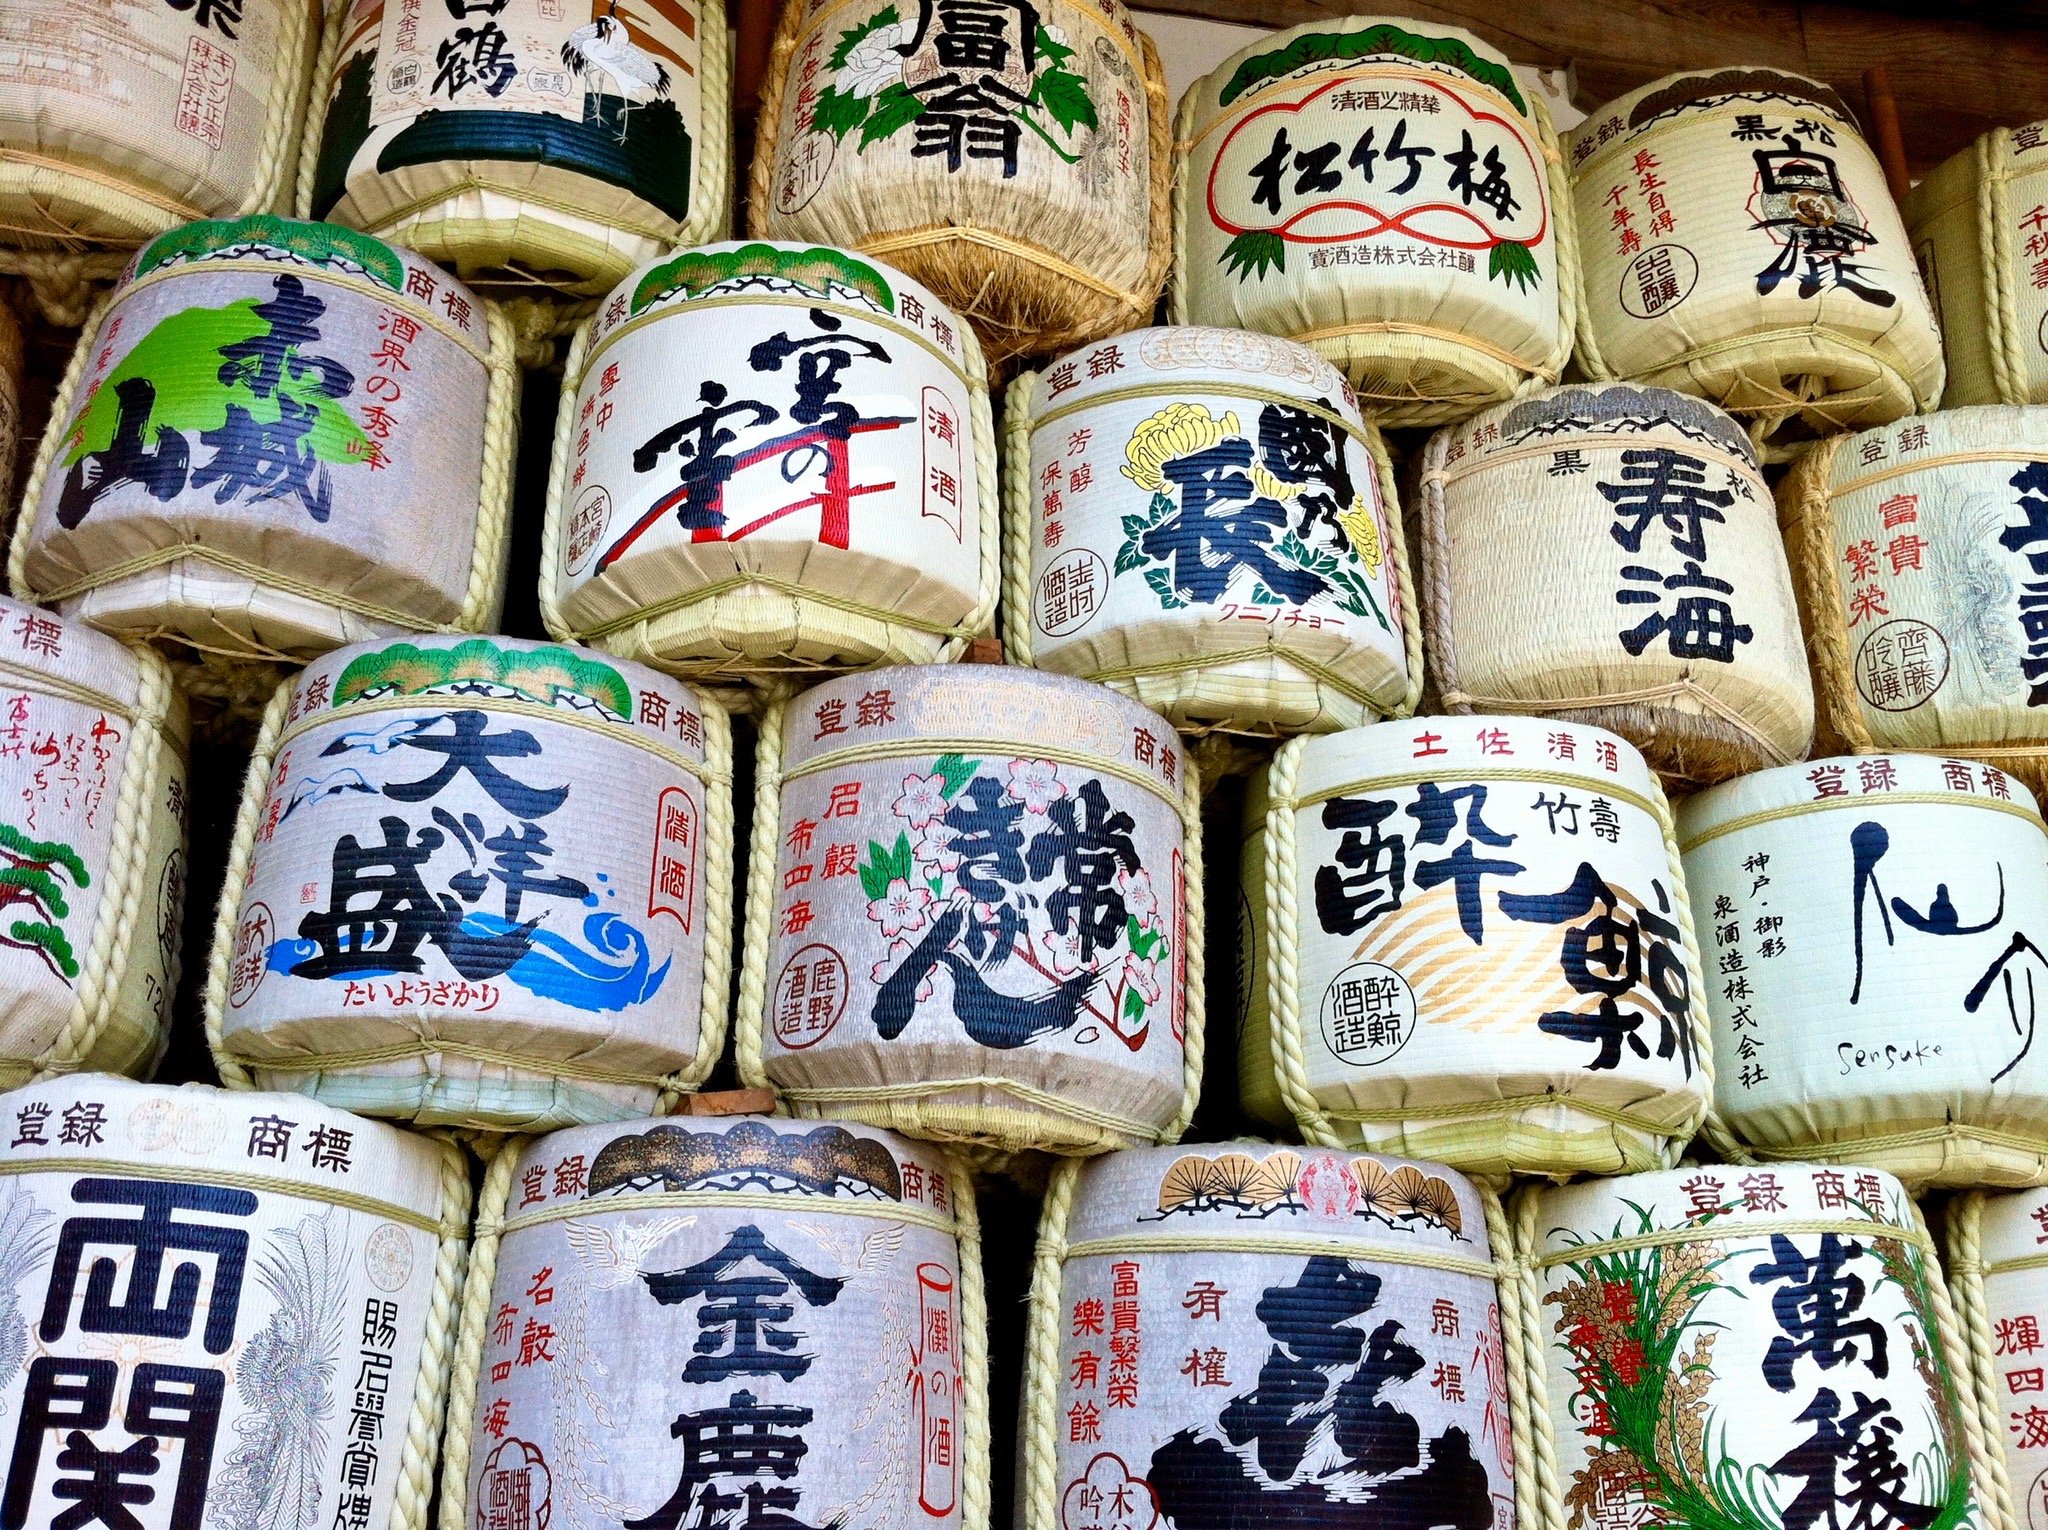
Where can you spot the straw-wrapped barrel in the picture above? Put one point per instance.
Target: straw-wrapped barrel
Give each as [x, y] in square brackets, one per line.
[1013, 861]
[771, 459]
[1980, 232]
[1390, 193]
[1773, 1348]
[527, 145]
[1247, 1334]
[1470, 943]
[92, 768]
[479, 882]
[1998, 1275]
[1869, 929]
[1610, 555]
[670, 1325]
[1738, 241]
[278, 438]
[1200, 518]
[1012, 157]
[1920, 552]
[223, 1309]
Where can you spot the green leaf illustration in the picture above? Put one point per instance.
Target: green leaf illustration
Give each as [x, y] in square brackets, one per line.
[1261, 596]
[838, 114]
[1162, 586]
[1512, 263]
[854, 36]
[874, 872]
[1064, 94]
[1253, 253]
[895, 108]
[1322, 47]
[1134, 1004]
[1129, 556]
[958, 771]
[1059, 53]
[1135, 525]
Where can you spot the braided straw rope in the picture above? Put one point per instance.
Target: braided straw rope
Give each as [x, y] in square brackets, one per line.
[1966, 1274]
[1983, 1447]
[713, 1003]
[416, 1477]
[1539, 1500]
[1038, 1437]
[48, 448]
[2005, 340]
[466, 1360]
[1016, 496]
[1283, 952]
[220, 957]
[1194, 992]
[750, 1013]
[1517, 1323]
[319, 99]
[975, 1505]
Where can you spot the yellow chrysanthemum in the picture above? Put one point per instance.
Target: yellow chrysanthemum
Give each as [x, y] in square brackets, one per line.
[1178, 430]
[1363, 532]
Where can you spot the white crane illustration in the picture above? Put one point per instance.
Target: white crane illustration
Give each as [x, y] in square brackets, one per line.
[605, 47]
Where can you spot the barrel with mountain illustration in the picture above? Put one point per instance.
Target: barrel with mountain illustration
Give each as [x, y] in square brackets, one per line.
[527, 145]
[1470, 942]
[222, 1310]
[1739, 242]
[1200, 518]
[279, 438]
[479, 882]
[729, 1322]
[772, 459]
[1609, 554]
[92, 848]
[1012, 157]
[974, 910]
[1871, 931]
[1247, 1334]
[1388, 193]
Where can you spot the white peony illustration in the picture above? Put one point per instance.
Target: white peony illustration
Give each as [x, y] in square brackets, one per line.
[876, 61]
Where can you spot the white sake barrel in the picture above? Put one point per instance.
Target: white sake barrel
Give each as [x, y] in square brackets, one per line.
[93, 738]
[1473, 943]
[772, 458]
[1245, 1334]
[1998, 1276]
[1389, 193]
[1868, 929]
[1980, 233]
[973, 910]
[1738, 241]
[279, 438]
[119, 122]
[1920, 551]
[1770, 1347]
[223, 1310]
[526, 144]
[479, 882]
[1610, 555]
[1207, 525]
[1012, 157]
[669, 1325]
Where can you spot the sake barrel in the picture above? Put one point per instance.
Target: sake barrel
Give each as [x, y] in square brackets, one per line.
[1995, 1273]
[222, 1309]
[529, 144]
[675, 1323]
[1772, 1347]
[120, 122]
[1874, 925]
[1460, 957]
[92, 768]
[803, 477]
[1739, 242]
[1977, 222]
[1247, 1334]
[1206, 524]
[279, 438]
[1318, 156]
[1610, 554]
[1920, 551]
[1014, 860]
[1012, 157]
[479, 882]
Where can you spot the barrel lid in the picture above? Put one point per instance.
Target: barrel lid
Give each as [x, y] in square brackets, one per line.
[1737, 1203]
[1918, 782]
[1190, 357]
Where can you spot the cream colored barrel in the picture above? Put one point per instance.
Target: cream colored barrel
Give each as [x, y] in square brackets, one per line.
[1013, 158]
[121, 122]
[93, 739]
[1474, 944]
[1739, 242]
[225, 1309]
[1978, 233]
[666, 1324]
[1920, 551]
[1208, 1329]
[1679, 1373]
[1868, 928]
[479, 882]
[278, 438]
[530, 146]
[1992, 1250]
[974, 911]
[772, 460]
[1200, 518]
[1388, 193]
[1609, 555]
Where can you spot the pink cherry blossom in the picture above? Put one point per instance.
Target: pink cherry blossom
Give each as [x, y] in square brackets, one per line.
[1036, 784]
[902, 908]
[1139, 898]
[923, 799]
[1143, 973]
[935, 848]
[898, 949]
[1065, 950]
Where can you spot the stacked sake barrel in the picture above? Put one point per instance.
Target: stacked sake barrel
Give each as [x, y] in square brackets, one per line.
[1995, 1268]
[530, 146]
[1200, 518]
[479, 882]
[1388, 193]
